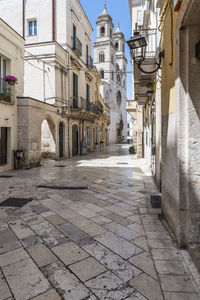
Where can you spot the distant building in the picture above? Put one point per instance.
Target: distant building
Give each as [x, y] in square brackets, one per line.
[111, 62]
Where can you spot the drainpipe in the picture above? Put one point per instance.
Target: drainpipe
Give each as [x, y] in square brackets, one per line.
[53, 20]
[23, 18]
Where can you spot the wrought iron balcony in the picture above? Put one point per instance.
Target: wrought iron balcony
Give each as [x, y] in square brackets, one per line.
[100, 108]
[7, 91]
[76, 45]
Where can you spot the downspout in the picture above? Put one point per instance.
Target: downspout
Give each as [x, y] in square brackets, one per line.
[23, 18]
[53, 20]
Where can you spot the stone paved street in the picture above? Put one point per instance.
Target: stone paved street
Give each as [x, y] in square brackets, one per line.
[102, 241]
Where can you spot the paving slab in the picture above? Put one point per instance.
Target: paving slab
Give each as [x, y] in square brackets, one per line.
[113, 262]
[147, 286]
[87, 269]
[25, 279]
[66, 283]
[42, 255]
[75, 234]
[109, 286]
[50, 295]
[4, 290]
[171, 283]
[118, 245]
[13, 257]
[145, 263]
[122, 231]
[69, 253]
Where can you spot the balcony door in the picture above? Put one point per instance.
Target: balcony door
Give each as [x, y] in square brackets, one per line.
[3, 72]
[75, 90]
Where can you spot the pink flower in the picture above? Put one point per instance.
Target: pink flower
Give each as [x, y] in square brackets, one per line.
[9, 78]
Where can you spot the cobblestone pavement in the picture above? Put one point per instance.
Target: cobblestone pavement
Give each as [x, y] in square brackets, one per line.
[99, 242]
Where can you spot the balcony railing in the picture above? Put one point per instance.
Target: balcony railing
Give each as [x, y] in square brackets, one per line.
[89, 61]
[76, 45]
[7, 91]
[100, 107]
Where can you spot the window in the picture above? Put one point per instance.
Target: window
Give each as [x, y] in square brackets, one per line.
[74, 37]
[128, 125]
[128, 133]
[117, 67]
[75, 90]
[140, 17]
[110, 32]
[101, 57]
[112, 59]
[3, 71]
[118, 78]
[102, 31]
[87, 55]
[32, 26]
[112, 75]
[119, 98]
[123, 48]
[87, 93]
[102, 74]
[117, 45]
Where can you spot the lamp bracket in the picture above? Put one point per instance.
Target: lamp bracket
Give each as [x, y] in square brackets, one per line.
[158, 64]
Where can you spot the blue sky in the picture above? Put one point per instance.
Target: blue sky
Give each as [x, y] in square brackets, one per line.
[119, 11]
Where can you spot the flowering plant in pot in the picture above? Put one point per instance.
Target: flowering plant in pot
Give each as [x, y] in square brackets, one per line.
[10, 79]
[132, 150]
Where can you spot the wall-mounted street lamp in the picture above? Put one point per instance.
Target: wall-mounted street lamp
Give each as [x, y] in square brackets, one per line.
[137, 45]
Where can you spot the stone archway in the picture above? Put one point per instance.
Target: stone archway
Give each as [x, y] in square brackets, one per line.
[48, 138]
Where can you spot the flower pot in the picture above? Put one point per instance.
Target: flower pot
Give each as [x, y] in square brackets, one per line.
[132, 151]
[11, 82]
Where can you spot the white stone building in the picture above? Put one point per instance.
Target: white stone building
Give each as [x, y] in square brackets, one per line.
[111, 62]
[58, 72]
[11, 63]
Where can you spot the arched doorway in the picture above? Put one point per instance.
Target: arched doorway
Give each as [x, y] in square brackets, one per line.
[75, 140]
[48, 140]
[61, 140]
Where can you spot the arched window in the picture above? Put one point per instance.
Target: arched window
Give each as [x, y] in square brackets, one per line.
[118, 78]
[119, 98]
[117, 45]
[101, 56]
[102, 31]
[102, 74]
[117, 67]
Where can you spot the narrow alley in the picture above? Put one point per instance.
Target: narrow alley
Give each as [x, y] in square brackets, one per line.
[86, 230]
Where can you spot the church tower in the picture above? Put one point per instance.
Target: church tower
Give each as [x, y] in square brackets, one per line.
[110, 61]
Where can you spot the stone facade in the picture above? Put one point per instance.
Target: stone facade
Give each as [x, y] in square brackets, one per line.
[58, 57]
[181, 127]
[111, 62]
[12, 63]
